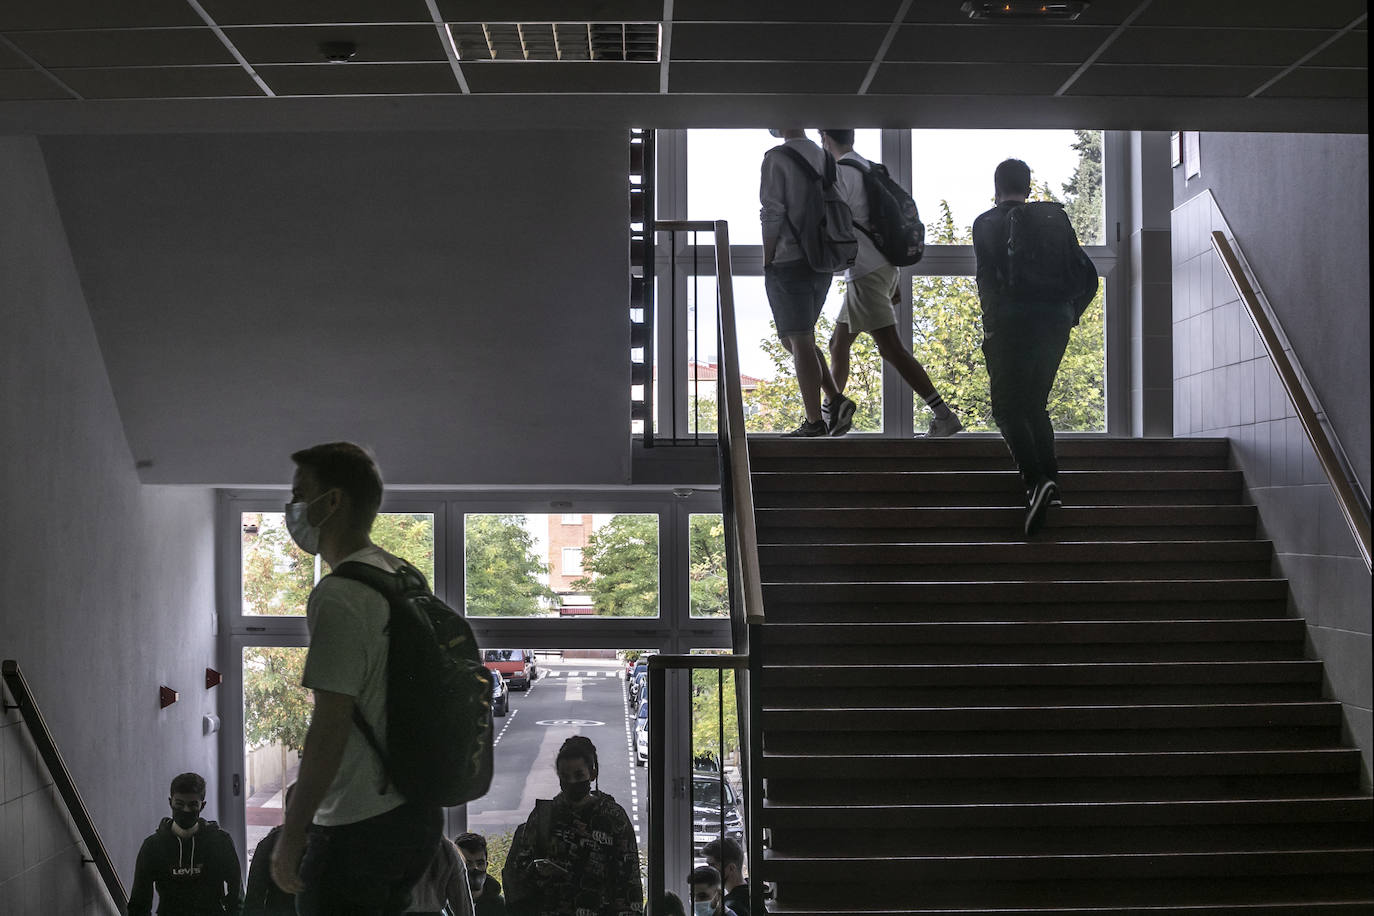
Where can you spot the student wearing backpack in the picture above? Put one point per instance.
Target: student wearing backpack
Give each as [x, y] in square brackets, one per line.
[351, 843]
[1034, 281]
[189, 861]
[807, 236]
[871, 284]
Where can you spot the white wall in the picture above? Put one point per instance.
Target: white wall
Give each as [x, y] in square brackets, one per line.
[457, 300]
[106, 585]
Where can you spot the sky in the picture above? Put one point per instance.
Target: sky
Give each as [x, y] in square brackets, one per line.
[952, 165]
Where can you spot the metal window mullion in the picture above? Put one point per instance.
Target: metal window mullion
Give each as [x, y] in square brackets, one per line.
[1116, 305]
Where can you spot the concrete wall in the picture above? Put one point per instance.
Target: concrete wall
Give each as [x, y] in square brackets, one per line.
[1298, 208]
[456, 300]
[106, 585]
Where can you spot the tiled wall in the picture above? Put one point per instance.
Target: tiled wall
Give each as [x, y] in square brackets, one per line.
[1225, 385]
[40, 857]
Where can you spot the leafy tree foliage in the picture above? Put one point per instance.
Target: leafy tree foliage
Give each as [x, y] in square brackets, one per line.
[621, 565]
[503, 568]
[276, 707]
[708, 724]
[710, 591]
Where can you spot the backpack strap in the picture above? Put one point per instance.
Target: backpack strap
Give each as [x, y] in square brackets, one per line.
[827, 181]
[391, 586]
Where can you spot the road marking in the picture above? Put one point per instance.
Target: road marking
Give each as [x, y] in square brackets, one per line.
[570, 723]
[509, 717]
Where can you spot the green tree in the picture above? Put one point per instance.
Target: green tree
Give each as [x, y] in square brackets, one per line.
[276, 708]
[620, 563]
[709, 588]
[708, 724]
[1083, 192]
[409, 536]
[277, 575]
[503, 569]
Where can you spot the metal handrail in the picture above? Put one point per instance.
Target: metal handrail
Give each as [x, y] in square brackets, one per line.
[1354, 510]
[62, 778]
[730, 430]
[659, 665]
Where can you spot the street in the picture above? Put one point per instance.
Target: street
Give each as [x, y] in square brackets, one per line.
[572, 697]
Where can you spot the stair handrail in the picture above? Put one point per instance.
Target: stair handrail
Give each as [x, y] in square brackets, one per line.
[731, 435]
[62, 778]
[1354, 508]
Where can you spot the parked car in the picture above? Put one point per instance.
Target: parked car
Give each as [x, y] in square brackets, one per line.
[500, 695]
[642, 735]
[641, 670]
[515, 665]
[706, 811]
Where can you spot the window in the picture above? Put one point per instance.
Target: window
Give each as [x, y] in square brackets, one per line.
[510, 573]
[276, 715]
[277, 576]
[709, 587]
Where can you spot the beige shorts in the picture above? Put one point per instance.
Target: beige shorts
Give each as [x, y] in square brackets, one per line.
[868, 300]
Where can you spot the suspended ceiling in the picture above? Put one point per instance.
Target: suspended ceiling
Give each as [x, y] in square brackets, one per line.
[160, 64]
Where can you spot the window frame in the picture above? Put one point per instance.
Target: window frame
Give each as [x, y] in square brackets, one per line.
[940, 260]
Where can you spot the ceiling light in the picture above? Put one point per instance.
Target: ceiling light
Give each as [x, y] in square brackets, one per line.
[557, 41]
[1023, 9]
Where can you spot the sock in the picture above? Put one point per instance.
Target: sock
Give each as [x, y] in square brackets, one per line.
[937, 404]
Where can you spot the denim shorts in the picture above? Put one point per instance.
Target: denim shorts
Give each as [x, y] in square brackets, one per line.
[796, 294]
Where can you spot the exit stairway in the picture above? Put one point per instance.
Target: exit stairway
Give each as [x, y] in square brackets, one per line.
[1114, 717]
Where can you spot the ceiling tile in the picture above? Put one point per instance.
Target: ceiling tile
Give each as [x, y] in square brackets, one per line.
[1266, 14]
[376, 44]
[23, 85]
[850, 12]
[160, 82]
[972, 43]
[551, 11]
[728, 77]
[970, 79]
[1099, 12]
[760, 42]
[1350, 50]
[314, 12]
[11, 60]
[360, 79]
[94, 14]
[1185, 82]
[1242, 47]
[125, 48]
[1321, 83]
[561, 76]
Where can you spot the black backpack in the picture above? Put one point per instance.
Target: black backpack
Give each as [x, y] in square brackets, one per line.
[438, 694]
[826, 236]
[894, 225]
[1044, 259]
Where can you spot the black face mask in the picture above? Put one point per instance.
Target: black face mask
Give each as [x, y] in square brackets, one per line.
[185, 819]
[576, 791]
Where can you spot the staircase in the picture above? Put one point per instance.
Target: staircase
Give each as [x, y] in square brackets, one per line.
[1116, 717]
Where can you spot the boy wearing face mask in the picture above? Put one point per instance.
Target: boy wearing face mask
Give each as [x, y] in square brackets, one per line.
[707, 897]
[576, 855]
[486, 890]
[190, 861]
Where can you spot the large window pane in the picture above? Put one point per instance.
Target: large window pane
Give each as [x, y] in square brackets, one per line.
[709, 585]
[772, 401]
[723, 175]
[276, 715]
[277, 576]
[952, 176]
[574, 692]
[541, 565]
[715, 758]
[947, 336]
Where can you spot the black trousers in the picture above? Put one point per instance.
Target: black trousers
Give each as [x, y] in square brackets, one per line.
[1023, 349]
[368, 868]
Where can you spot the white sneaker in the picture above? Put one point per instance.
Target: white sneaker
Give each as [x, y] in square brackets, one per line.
[940, 429]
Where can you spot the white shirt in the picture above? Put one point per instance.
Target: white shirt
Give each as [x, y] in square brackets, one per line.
[348, 650]
[851, 187]
[782, 190]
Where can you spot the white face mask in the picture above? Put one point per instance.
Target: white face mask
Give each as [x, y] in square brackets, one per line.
[306, 535]
[703, 908]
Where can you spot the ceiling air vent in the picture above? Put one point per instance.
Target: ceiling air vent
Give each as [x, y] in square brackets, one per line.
[1023, 9]
[561, 41]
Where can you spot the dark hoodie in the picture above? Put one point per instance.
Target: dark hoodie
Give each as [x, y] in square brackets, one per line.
[198, 875]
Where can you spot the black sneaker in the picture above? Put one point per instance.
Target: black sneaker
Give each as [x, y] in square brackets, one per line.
[1040, 500]
[841, 415]
[807, 431]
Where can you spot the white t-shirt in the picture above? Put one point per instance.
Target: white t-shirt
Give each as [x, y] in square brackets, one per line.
[348, 649]
[851, 185]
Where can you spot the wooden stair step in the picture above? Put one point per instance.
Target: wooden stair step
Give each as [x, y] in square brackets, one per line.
[1059, 592]
[1040, 633]
[1011, 718]
[1059, 766]
[1085, 674]
[1069, 449]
